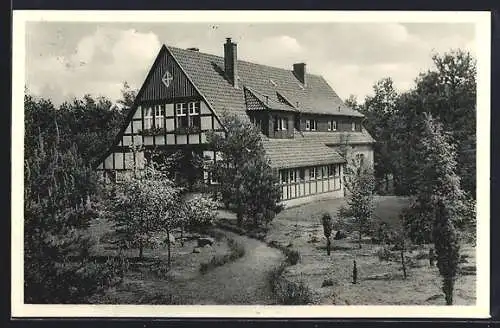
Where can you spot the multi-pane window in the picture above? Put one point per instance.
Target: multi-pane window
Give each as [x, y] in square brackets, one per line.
[181, 113]
[148, 118]
[332, 125]
[159, 116]
[194, 114]
[280, 124]
[292, 175]
[284, 176]
[312, 173]
[313, 125]
[353, 126]
[331, 170]
[302, 174]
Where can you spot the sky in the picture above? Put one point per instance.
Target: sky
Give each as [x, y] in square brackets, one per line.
[66, 60]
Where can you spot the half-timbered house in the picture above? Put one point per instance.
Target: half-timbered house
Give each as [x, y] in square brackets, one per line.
[307, 131]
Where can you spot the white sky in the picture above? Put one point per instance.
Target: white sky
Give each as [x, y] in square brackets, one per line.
[64, 60]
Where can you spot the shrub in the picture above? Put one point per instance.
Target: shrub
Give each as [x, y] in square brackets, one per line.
[327, 282]
[292, 256]
[287, 292]
[200, 212]
[236, 251]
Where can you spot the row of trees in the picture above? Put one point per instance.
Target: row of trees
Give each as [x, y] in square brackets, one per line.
[448, 93]
[426, 143]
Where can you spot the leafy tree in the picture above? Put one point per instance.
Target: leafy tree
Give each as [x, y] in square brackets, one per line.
[144, 209]
[379, 111]
[247, 182]
[360, 184]
[60, 201]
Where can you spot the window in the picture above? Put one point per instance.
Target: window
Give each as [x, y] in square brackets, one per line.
[159, 118]
[280, 124]
[181, 112]
[292, 175]
[332, 125]
[360, 159]
[353, 126]
[194, 114]
[148, 118]
[284, 176]
[331, 170]
[313, 125]
[312, 173]
[308, 125]
[302, 174]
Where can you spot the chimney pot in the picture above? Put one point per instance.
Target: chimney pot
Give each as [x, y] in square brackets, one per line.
[299, 70]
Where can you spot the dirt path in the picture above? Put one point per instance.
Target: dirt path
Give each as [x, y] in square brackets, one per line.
[244, 281]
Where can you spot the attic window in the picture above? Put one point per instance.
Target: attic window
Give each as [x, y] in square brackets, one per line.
[273, 83]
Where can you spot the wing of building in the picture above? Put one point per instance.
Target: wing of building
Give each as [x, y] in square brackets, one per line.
[307, 131]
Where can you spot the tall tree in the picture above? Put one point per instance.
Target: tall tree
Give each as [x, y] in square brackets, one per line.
[360, 184]
[246, 180]
[379, 111]
[60, 200]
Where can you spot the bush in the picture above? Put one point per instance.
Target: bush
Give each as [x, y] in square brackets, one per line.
[236, 251]
[200, 212]
[385, 254]
[327, 282]
[292, 256]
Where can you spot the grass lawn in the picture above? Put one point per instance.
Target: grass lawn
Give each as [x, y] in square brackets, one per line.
[148, 281]
[380, 282]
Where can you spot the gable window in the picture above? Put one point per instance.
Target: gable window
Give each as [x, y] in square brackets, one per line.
[194, 114]
[313, 125]
[181, 113]
[148, 118]
[159, 116]
[353, 126]
[332, 125]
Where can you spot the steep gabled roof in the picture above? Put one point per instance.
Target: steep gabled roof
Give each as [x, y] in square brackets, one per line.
[207, 73]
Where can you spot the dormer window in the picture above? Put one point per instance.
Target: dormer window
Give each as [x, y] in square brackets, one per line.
[280, 124]
[332, 125]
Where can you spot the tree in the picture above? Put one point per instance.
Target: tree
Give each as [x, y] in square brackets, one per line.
[447, 249]
[379, 110]
[326, 221]
[360, 184]
[128, 96]
[60, 200]
[144, 211]
[437, 179]
[440, 203]
[247, 182]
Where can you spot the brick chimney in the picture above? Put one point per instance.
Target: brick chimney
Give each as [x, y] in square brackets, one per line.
[230, 62]
[299, 70]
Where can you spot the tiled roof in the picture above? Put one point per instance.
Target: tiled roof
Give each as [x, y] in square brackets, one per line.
[207, 73]
[266, 102]
[336, 138]
[287, 153]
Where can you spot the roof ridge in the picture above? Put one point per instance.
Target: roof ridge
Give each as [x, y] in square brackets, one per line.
[240, 60]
